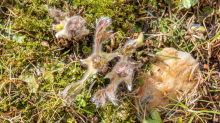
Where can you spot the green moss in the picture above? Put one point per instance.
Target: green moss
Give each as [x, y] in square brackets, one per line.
[33, 18]
[118, 11]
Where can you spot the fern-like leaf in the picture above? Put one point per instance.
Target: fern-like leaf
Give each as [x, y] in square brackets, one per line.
[122, 72]
[99, 98]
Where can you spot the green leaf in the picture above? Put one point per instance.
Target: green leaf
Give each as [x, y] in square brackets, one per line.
[2, 86]
[169, 2]
[150, 121]
[87, 50]
[48, 76]
[66, 52]
[82, 103]
[18, 38]
[191, 119]
[193, 28]
[157, 49]
[193, 2]
[201, 28]
[155, 115]
[137, 28]
[141, 81]
[58, 68]
[208, 10]
[162, 26]
[186, 3]
[90, 108]
[31, 81]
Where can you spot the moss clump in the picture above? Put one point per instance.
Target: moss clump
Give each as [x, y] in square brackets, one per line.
[33, 18]
[118, 11]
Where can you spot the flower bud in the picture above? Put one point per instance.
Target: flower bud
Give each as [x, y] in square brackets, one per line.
[98, 62]
[123, 70]
[58, 15]
[74, 26]
[140, 40]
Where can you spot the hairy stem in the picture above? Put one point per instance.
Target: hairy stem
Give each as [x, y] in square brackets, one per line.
[78, 85]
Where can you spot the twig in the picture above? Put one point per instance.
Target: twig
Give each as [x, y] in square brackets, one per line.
[147, 17]
[38, 71]
[209, 56]
[169, 11]
[1, 8]
[205, 24]
[189, 23]
[193, 71]
[130, 28]
[198, 13]
[78, 115]
[90, 88]
[69, 113]
[12, 12]
[197, 49]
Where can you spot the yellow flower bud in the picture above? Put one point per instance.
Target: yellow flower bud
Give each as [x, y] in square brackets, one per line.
[140, 40]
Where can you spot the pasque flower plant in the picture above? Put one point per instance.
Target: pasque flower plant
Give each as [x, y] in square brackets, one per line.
[123, 71]
[97, 61]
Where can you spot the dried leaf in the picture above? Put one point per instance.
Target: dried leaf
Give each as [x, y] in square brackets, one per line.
[46, 44]
[113, 42]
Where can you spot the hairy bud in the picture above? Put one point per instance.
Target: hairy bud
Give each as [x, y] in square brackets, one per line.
[75, 26]
[58, 15]
[122, 69]
[68, 27]
[98, 62]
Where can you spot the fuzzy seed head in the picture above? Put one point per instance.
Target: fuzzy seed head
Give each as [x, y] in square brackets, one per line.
[75, 26]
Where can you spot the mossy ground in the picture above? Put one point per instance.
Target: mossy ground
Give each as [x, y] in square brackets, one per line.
[33, 69]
